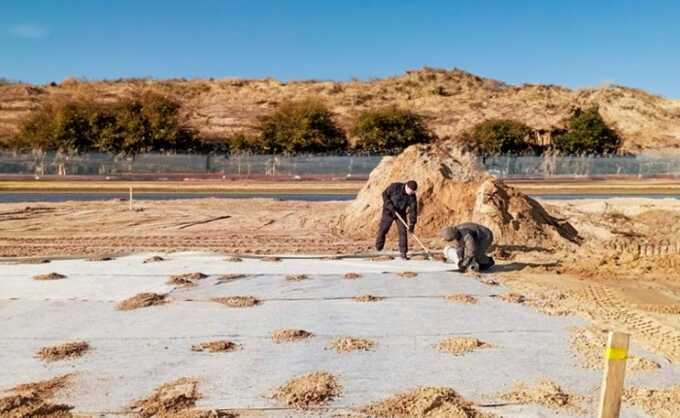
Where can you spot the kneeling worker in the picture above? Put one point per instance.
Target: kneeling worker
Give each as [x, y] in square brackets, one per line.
[470, 242]
[398, 200]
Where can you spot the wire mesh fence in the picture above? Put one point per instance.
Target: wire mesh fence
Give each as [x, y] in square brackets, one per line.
[301, 166]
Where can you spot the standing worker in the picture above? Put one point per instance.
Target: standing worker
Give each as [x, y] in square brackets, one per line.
[470, 242]
[399, 199]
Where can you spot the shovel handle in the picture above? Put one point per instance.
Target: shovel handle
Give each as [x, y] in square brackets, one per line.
[414, 235]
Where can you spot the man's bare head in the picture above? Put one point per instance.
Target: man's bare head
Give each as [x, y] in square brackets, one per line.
[411, 187]
[450, 233]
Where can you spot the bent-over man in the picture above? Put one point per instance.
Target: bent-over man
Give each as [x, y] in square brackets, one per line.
[398, 199]
[471, 242]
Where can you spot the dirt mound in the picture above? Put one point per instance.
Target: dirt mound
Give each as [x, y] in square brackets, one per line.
[460, 345]
[431, 402]
[290, 335]
[238, 301]
[312, 389]
[217, 346]
[229, 277]
[347, 344]
[154, 259]
[512, 297]
[407, 274]
[351, 276]
[545, 393]
[33, 400]
[63, 351]
[186, 279]
[296, 277]
[589, 345]
[659, 403]
[367, 298]
[49, 276]
[141, 300]
[462, 298]
[452, 190]
[175, 397]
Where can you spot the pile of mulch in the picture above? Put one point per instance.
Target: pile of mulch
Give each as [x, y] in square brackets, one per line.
[271, 259]
[233, 259]
[489, 282]
[460, 345]
[544, 393]
[229, 277]
[63, 351]
[49, 276]
[435, 402]
[176, 397]
[141, 300]
[512, 297]
[348, 344]
[589, 344]
[34, 399]
[296, 277]
[382, 258]
[661, 403]
[290, 335]
[310, 390]
[367, 298]
[154, 259]
[352, 276]
[238, 301]
[186, 279]
[462, 298]
[407, 274]
[36, 261]
[217, 346]
[100, 258]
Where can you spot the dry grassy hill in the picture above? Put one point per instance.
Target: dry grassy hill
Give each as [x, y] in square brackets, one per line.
[454, 100]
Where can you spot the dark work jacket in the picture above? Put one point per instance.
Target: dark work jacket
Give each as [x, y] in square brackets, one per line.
[475, 241]
[395, 199]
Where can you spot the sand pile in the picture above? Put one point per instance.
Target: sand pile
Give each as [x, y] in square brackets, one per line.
[141, 300]
[462, 298]
[218, 346]
[290, 335]
[431, 402]
[367, 298]
[229, 277]
[296, 277]
[238, 301]
[351, 276]
[545, 393]
[312, 389]
[348, 344]
[452, 190]
[49, 276]
[186, 279]
[460, 345]
[589, 345]
[407, 274]
[63, 351]
[33, 400]
[175, 397]
[154, 259]
[659, 403]
[512, 297]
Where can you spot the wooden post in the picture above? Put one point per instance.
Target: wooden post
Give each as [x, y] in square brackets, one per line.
[614, 371]
[130, 197]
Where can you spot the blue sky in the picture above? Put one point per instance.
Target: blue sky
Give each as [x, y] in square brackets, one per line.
[573, 43]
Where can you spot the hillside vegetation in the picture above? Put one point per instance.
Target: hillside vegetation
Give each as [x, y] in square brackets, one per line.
[452, 102]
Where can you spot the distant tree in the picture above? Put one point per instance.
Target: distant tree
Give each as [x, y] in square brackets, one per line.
[587, 133]
[301, 126]
[242, 143]
[499, 136]
[389, 130]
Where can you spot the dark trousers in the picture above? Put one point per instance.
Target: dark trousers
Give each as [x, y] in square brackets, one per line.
[385, 223]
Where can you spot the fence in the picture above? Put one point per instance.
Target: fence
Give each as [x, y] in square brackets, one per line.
[346, 166]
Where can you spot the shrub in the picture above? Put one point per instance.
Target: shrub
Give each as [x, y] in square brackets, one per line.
[302, 126]
[242, 143]
[144, 122]
[587, 133]
[389, 129]
[499, 136]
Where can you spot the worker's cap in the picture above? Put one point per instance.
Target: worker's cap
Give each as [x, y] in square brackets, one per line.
[412, 185]
[450, 233]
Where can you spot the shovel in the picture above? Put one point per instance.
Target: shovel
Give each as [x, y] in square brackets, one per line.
[429, 255]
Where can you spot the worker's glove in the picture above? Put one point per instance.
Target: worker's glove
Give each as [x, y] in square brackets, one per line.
[411, 228]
